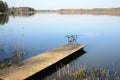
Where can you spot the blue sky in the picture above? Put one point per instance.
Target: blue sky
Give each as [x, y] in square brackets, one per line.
[60, 4]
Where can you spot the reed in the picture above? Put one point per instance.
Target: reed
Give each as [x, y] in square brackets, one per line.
[14, 60]
[84, 73]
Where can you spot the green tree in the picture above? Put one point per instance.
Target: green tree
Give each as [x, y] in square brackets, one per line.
[3, 7]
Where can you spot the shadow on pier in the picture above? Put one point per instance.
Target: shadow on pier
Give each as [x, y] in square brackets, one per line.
[53, 68]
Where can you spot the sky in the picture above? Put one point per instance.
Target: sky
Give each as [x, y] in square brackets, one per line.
[63, 4]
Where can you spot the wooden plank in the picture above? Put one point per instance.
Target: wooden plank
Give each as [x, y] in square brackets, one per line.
[39, 62]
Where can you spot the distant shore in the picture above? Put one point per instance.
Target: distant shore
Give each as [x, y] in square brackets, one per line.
[96, 11]
[5, 9]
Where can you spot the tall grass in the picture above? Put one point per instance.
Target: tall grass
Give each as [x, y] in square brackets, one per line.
[15, 59]
[84, 73]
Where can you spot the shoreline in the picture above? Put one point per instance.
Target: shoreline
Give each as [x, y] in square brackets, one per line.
[95, 11]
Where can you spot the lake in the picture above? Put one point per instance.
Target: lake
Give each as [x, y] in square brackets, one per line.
[41, 32]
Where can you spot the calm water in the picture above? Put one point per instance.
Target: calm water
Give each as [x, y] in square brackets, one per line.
[42, 32]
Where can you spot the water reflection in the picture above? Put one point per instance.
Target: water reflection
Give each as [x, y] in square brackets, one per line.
[23, 14]
[10, 43]
[4, 19]
[96, 14]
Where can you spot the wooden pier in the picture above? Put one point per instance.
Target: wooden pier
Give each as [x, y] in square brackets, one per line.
[39, 62]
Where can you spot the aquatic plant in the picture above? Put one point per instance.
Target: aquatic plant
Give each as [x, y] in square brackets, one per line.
[91, 74]
[17, 56]
[84, 73]
[15, 59]
[2, 65]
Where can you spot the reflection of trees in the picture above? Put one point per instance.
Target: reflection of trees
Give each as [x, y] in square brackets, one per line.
[23, 14]
[4, 18]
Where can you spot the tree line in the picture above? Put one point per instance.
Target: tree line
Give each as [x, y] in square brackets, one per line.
[27, 10]
[14, 10]
[96, 11]
[3, 7]
[21, 10]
